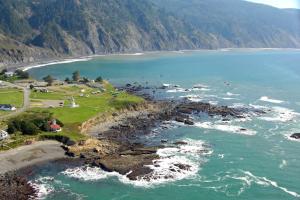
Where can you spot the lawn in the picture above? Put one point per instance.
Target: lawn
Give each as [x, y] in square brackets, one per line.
[90, 105]
[11, 96]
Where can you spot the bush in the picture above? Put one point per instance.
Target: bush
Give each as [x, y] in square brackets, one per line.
[99, 79]
[29, 128]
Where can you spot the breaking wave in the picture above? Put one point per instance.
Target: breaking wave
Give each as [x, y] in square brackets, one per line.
[267, 99]
[175, 163]
[225, 128]
[42, 186]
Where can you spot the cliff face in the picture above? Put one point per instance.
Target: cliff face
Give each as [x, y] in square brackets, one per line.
[33, 30]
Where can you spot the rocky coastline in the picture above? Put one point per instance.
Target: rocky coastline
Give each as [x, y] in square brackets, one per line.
[116, 147]
[114, 144]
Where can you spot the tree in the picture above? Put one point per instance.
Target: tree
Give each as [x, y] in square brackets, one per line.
[99, 79]
[85, 80]
[67, 80]
[29, 128]
[22, 74]
[49, 79]
[76, 76]
[3, 71]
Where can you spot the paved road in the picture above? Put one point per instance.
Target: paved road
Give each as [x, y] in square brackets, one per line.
[26, 101]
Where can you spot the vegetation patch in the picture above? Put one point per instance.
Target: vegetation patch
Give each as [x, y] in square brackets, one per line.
[11, 96]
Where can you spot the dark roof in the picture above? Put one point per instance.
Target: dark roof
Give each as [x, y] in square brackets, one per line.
[5, 106]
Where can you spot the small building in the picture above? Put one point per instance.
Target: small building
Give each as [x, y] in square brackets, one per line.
[73, 104]
[7, 107]
[54, 127]
[9, 74]
[3, 135]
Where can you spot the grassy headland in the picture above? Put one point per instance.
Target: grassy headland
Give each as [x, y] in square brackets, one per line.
[91, 101]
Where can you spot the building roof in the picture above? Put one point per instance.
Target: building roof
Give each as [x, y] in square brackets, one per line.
[55, 126]
[6, 106]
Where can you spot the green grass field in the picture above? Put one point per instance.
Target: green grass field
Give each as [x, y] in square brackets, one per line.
[94, 104]
[90, 105]
[11, 96]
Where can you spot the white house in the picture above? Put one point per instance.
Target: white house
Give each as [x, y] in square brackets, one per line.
[3, 135]
[7, 107]
[9, 74]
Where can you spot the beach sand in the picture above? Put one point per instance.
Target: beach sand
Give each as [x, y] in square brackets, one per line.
[25, 156]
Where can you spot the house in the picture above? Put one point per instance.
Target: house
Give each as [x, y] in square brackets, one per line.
[7, 107]
[9, 74]
[3, 135]
[54, 127]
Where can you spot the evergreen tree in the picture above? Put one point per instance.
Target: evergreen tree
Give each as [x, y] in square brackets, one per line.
[76, 76]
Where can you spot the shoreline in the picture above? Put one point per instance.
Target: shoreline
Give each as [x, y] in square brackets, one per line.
[25, 156]
[65, 60]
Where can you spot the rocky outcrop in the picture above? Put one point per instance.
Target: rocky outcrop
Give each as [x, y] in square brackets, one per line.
[15, 187]
[296, 136]
[199, 107]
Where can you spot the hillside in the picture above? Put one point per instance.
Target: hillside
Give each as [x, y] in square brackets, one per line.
[33, 30]
[239, 23]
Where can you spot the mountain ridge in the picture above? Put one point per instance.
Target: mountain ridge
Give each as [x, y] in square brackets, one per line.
[34, 30]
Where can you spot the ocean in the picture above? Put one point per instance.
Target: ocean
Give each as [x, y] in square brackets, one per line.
[260, 162]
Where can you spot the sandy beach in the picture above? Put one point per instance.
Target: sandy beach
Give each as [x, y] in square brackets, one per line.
[24, 156]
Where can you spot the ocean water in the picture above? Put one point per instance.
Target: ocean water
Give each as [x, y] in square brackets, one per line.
[260, 162]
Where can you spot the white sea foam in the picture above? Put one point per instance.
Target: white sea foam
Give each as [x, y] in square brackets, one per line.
[283, 164]
[213, 102]
[288, 136]
[200, 89]
[86, 173]
[225, 128]
[43, 186]
[178, 90]
[232, 94]
[175, 163]
[229, 98]
[57, 62]
[280, 114]
[193, 97]
[267, 99]
[200, 86]
[244, 180]
[266, 182]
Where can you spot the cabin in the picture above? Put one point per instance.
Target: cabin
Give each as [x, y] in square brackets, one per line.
[7, 107]
[3, 135]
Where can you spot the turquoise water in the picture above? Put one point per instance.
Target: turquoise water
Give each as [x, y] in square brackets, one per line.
[260, 163]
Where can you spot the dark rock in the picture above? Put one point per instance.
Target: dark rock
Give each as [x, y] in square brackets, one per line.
[14, 187]
[189, 122]
[180, 143]
[295, 136]
[70, 154]
[164, 141]
[179, 119]
[183, 167]
[226, 120]
[70, 142]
